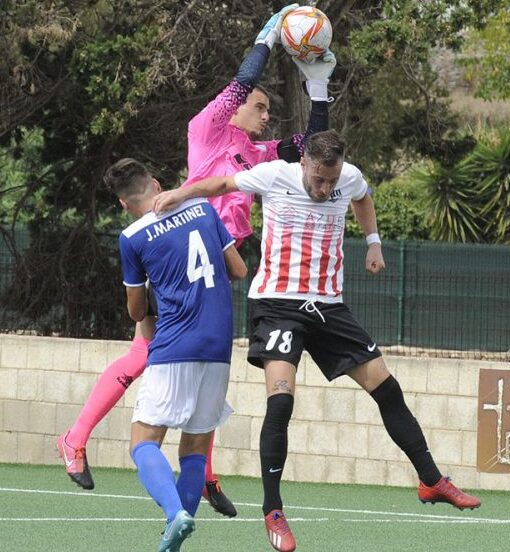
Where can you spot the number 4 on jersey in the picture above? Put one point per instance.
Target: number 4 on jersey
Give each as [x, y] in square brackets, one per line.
[198, 252]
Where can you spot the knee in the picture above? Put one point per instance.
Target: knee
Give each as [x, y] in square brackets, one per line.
[194, 444]
[388, 392]
[141, 447]
[279, 409]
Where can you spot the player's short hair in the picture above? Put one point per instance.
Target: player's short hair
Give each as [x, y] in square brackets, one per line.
[326, 147]
[128, 177]
[260, 88]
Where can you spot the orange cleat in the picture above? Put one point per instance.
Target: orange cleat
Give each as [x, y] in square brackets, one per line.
[279, 533]
[445, 491]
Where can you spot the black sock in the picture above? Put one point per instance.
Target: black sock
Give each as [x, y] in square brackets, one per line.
[273, 448]
[404, 429]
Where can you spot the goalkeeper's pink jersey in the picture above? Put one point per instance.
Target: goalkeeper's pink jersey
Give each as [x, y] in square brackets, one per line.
[217, 148]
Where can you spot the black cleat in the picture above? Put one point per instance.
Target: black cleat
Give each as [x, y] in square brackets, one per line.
[217, 499]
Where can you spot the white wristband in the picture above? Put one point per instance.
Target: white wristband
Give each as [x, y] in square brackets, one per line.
[317, 90]
[373, 238]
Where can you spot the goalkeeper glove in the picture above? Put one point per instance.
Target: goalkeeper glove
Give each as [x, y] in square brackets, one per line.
[270, 33]
[317, 74]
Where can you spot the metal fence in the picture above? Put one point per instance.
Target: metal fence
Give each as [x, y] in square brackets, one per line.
[433, 296]
[437, 299]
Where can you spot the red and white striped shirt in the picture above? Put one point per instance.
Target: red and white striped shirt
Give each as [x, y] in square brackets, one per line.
[302, 256]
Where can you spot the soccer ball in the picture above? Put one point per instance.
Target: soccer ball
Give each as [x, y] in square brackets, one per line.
[306, 33]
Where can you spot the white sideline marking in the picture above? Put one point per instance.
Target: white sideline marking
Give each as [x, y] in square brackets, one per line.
[454, 520]
[159, 520]
[422, 517]
[259, 520]
[74, 493]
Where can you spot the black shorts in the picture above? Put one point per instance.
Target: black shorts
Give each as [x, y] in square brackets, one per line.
[153, 304]
[282, 328]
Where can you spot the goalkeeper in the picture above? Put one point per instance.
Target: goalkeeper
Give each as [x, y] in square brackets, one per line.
[223, 139]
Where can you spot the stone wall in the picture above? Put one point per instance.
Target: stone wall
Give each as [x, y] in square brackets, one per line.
[336, 434]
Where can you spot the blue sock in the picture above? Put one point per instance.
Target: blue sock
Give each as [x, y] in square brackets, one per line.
[191, 481]
[156, 475]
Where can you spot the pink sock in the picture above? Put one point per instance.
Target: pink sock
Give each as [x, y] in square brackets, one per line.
[209, 475]
[108, 390]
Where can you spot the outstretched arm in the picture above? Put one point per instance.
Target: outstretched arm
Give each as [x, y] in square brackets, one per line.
[315, 80]
[209, 187]
[251, 68]
[365, 214]
[218, 113]
[292, 149]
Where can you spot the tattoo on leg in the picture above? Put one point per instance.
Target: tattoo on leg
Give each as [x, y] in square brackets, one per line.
[282, 386]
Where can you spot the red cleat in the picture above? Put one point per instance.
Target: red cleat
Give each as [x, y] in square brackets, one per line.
[279, 533]
[445, 491]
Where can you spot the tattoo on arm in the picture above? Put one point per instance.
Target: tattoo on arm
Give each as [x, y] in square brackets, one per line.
[282, 386]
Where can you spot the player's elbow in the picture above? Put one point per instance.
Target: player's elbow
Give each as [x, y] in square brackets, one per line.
[238, 272]
[136, 316]
[137, 312]
[236, 267]
[223, 185]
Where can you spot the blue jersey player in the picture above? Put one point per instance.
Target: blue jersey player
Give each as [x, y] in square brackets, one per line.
[188, 256]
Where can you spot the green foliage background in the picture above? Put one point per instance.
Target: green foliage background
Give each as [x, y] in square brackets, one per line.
[85, 83]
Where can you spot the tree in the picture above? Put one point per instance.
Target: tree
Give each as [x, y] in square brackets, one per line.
[470, 201]
[490, 167]
[401, 212]
[486, 56]
[100, 80]
[103, 79]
